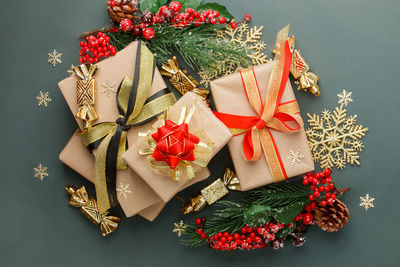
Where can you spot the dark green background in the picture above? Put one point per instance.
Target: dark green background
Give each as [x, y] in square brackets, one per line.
[351, 45]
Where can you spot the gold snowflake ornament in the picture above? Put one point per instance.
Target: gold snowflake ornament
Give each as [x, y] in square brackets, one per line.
[40, 172]
[179, 228]
[123, 190]
[109, 88]
[345, 98]
[367, 202]
[247, 37]
[54, 58]
[334, 137]
[295, 157]
[43, 99]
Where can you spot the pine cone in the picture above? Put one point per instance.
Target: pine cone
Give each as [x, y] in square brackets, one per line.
[331, 218]
[123, 9]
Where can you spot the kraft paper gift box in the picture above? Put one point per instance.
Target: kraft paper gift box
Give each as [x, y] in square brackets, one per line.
[230, 97]
[203, 121]
[141, 198]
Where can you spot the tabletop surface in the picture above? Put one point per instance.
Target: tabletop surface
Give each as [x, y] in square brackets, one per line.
[351, 45]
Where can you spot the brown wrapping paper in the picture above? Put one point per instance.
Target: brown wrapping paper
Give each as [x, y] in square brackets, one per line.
[142, 198]
[230, 97]
[217, 132]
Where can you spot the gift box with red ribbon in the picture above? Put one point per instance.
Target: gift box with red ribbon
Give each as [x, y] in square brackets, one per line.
[259, 107]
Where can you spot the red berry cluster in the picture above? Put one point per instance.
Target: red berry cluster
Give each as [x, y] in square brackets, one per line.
[96, 47]
[248, 237]
[322, 186]
[171, 14]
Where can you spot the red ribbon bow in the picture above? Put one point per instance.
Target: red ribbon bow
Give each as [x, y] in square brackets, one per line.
[174, 143]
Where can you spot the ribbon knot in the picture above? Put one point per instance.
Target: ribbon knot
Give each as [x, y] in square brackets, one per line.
[260, 124]
[121, 121]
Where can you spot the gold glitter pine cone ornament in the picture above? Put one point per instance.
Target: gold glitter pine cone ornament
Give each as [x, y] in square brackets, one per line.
[332, 217]
[122, 9]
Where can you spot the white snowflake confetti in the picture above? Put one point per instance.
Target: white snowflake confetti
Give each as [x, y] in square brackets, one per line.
[40, 172]
[345, 98]
[295, 157]
[179, 228]
[123, 190]
[54, 58]
[334, 137]
[367, 202]
[43, 99]
[109, 88]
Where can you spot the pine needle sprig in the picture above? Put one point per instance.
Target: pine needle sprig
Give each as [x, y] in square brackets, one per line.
[198, 46]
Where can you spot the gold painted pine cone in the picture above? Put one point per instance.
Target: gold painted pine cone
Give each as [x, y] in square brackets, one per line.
[332, 217]
[123, 9]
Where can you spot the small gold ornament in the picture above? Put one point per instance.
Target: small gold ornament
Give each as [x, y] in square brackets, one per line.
[334, 138]
[367, 202]
[43, 99]
[86, 95]
[181, 80]
[54, 58]
[247, 37]
[305, 80]
[88, 207]
[213, 192]
[179, 228]
[40, 172]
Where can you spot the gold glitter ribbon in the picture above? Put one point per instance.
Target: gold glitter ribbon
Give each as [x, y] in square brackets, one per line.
[213, 192]
[88, 207]
[135, 108]
[86, 94]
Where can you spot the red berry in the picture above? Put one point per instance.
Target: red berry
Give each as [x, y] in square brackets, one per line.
[213, 21]
[328, 195]
[196, 14]
[238, 242]
[175, 6]
[249, 239]
[215, 14]
[329, 201]
[138, 32]
[247, 17]
[327, 172]
[219, 234]
[234, 25]
[259, 230]
[198, 221]
[316, 193]
[243, 230]
[198, 231]
[226, 234]
[113, 3]
[308, 218]
[242, 237]
[222, 20]
[236, 236]
[220, 244]
[229, 238]
[189, 10]
[215, 246]
[233, 245]
[313, 205]
[227, 246]
[162, 10]
[252, 235]
[323, 203]
[271, 237]
[215, 237]
[148, 33]
[298, 217]
[311, 197]
[333, 196]
[223, 239]
[203, 235]
[126, 25]
[82, 60]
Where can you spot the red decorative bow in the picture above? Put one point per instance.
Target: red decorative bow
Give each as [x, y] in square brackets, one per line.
[174, 143]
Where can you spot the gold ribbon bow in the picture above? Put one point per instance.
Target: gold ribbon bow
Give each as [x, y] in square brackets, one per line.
[88, 207]
[135, 108]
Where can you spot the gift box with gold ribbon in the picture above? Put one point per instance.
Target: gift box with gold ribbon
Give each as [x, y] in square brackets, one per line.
[176, 149]
[259, 107]
[139, 97]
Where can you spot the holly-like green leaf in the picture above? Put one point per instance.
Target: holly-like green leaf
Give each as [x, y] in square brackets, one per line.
[189, 3]
[257, 215]
[151, 5]
[287, 214]
[216, 7]
[285, 231]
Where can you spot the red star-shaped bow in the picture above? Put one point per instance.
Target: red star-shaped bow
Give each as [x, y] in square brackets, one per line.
[174, 143]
